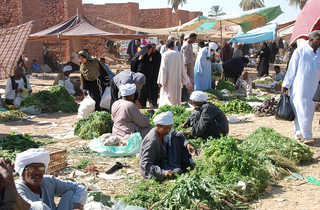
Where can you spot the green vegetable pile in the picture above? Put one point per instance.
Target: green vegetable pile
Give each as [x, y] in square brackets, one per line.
[15, 143]
[227, 175]
[235, 107]
[222, 84]
[12, 115]
[278, 152]
[51, 101]
[94, 125]
[264, 81]
[180, 114]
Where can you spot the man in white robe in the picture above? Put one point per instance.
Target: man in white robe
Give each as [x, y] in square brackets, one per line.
[172, 76]
[202, 69]
[301, 80]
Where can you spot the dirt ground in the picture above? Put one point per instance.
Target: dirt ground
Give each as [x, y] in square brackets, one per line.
[285, 195]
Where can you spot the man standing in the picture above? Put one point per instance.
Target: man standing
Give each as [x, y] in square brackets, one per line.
[302, 80]
[164, 49]
[171, 76]
[133, 48]
[179, 43]
[187, 51]
[264, 59]
[202, 70]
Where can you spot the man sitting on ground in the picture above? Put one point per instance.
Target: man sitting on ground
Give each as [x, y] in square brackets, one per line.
[127, 119]
[18, 87]
[279, 74]
[164, 152]
[67, 81]
[207, 119]
[34, 185]
[244, 85]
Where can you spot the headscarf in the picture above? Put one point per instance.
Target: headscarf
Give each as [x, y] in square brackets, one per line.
[30, 156]
[127, 89]
[199, 96]
[139, 78]
[164, 118]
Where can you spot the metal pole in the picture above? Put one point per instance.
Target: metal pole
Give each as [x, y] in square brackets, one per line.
[221, 33]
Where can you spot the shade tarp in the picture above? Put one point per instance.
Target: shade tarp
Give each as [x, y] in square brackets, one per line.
[286, 31]
[12, 44]
[307, 21]
[261, 34]
[248, 20]
[78, 27]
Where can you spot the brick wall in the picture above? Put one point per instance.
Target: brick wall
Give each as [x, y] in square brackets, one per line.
[10, 13]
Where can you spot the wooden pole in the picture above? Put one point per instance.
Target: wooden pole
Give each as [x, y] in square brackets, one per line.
[221, 33]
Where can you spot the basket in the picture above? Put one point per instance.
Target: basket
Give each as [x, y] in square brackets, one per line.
[58, 159]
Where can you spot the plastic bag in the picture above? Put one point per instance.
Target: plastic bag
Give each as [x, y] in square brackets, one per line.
[86, 107]
[284, 109]
[17, 101]
[132, 148]
[106, 99]
[33, 110]
[122, 206]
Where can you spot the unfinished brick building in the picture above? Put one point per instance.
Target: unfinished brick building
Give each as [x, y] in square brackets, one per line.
[47, 13]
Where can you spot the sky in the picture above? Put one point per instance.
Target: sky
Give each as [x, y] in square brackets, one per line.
[228, 6]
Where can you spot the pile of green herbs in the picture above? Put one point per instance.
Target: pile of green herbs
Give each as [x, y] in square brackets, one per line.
[227, 175]
[222, 84]
[15, 143]
[94, 125]
[54, 100]
[236, 107]
[11, 115]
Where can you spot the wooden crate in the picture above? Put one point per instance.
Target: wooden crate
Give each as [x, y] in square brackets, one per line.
[58, 159]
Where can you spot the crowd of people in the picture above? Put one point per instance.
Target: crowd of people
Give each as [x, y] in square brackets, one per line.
[160, 75]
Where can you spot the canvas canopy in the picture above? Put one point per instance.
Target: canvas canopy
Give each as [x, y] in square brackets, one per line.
[247, 21]
[78, 27]
[261, 34]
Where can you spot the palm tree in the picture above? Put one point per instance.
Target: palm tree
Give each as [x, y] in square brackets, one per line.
[299, 3]
[176, 3]
[251, 4]
[216, 10]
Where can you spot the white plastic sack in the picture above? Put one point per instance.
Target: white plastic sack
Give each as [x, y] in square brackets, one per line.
[17, 101]
[96, 206]
[86, 107]
[106, 99]
[122, 206]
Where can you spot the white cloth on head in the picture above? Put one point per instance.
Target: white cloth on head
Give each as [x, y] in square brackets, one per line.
[30, 156]
[67, 68]
[164, 118]
[127, 89]
[213, 46]
[302, 79]
[199, 96]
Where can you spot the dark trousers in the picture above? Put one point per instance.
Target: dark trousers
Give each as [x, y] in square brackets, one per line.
[150, 91]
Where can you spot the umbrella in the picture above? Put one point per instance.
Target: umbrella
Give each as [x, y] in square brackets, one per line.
[307, 21]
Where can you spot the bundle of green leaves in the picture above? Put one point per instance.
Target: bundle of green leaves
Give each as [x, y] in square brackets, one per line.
[222, 84]
[11, 115]
[15, 143]
[51, 101]
[180, 115]
[236, 107]
[278, 152]
[94, 125]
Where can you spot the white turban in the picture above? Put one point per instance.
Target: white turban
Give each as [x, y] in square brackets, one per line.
[67, 68]
[30, 156]
[127, 89]
[199, 96]
[164, 118]
[213, 46]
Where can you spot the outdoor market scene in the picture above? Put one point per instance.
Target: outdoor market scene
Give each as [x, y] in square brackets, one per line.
[170, 104]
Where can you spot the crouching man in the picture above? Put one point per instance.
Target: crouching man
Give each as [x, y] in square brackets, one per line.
[34, 186]
[164, 152]
[207, 119]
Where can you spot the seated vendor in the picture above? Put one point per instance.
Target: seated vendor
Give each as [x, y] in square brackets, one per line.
[244, 85]
[127, 119]
[36, 68]
[207, 119]
[123, 78]
[279, 74]
[67, 81]
[164, 152]
[34, 186]
[18, 87]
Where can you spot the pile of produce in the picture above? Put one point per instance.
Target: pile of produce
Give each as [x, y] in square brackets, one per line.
[180, 114]
[15, 143]
[51, 101]
[236, 107]
[264, 81]
[227, 174]
[278, 152]
[268, 108]
[222, 84]
[12, 115]
[94, 125]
